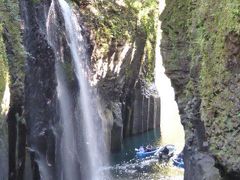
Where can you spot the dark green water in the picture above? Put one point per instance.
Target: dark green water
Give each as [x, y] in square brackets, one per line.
[129, 144]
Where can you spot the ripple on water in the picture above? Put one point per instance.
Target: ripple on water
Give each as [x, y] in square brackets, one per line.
[147, 169]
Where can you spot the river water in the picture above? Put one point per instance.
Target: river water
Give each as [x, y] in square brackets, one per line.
[125, 166]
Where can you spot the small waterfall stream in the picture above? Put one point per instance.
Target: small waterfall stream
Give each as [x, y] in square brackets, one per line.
[80, 156]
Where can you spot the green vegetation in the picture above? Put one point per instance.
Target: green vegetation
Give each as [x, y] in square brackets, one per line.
[118, 23]
[217, 22]
[10, 27]
[148, 15]
[210, 31]
[177, 17]
[109, 22]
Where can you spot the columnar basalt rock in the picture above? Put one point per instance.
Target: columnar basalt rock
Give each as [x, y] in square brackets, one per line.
[138, 102]
[122, 64]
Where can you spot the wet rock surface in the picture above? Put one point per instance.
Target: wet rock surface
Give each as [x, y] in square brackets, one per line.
[40, 87]
[134, 108]
[202, 167]
[124, 87]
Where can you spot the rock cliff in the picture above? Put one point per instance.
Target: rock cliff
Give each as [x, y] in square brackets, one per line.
[123, 63]
[40, 88]
[12, 75]
[201, 51]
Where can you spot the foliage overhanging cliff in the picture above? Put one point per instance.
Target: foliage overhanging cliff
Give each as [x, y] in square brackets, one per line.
[118, 22]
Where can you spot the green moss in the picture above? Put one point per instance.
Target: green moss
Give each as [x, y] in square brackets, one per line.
[148, 15]
[176, 18]
[67, 67]
[204, 27]
[215, 22]
[120, 23]
[11, 23]
[151, 59]
[110, 22]
[11, 63]
[211, 22]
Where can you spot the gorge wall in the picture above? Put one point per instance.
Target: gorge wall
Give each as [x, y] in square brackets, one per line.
[40, 101]
[123, 65]
[201, 53]
[12, 128]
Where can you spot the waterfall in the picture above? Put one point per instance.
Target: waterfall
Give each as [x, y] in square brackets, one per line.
[171, 128]
[80, 156]
[67, 145]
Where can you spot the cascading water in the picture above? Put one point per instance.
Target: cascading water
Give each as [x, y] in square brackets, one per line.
[67, 145]
[171, 129]
[87, 153]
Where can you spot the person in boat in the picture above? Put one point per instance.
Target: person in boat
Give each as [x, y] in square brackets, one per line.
[165, 150]
[164, 154]
[141, 149]
[149, 148]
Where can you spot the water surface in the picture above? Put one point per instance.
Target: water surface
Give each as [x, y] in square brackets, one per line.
[125, 166]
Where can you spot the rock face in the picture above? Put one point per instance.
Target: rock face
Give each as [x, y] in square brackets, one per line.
[40, 88]
[16, 124]
[3, 129]
[122, 64]
[200, 56]
[12, 75]
[133, 104]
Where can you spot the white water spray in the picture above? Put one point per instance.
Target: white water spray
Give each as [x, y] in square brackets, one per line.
[171, 128]
[68, 140]
[92, 134]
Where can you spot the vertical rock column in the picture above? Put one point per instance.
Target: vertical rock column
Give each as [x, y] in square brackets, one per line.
[40, 88]
[15, 120]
